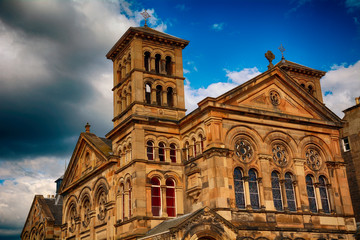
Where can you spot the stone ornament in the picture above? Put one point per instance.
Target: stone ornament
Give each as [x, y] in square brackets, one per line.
[102, 208]
[244, 150]
[280, 155]
[274, 97]
[86, 221]
[72, 219]
[313, 159]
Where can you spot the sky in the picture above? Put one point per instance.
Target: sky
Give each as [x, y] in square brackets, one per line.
[54, 77]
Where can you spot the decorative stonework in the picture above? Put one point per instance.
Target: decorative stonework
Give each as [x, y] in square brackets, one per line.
[244, 151]
[102, 208]
[73, 216]
[313, 158]
[86, 216]
[274, 97]
[280, 155]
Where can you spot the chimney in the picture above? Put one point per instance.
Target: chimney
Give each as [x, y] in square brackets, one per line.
[87, 127]
[357, 100]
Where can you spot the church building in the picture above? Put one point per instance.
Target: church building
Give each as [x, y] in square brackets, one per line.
[261, 161]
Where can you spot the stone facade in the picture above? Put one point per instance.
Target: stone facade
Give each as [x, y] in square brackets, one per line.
[261, 161]
[44, 219]
[350, 149]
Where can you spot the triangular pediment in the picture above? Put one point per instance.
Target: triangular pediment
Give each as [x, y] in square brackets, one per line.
[89, 154]
[275, 91]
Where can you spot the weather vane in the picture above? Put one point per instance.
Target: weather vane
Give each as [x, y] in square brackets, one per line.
[145, 15]
[282, 50]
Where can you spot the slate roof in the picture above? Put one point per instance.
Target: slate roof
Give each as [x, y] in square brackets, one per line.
[102, 144]
[171, 223]
[55, 209]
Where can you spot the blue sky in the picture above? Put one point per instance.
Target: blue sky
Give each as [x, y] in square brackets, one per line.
[54, 76]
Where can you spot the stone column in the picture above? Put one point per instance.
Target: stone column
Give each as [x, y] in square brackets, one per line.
[153, 95]
[261, 193]
[123, 102]
[164, 97]
[331, 197]
[162, 66]
[175, 100]
[167, 154]
[302, 192]
[297, 196]
[247, 192]
[123, 71]
[318, 198]
[152, 64]
[126, 205]
[264, 160]
[163, 201]
[283, 193]
[127, 67]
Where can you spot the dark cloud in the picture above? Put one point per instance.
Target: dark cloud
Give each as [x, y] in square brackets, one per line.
[42, 108]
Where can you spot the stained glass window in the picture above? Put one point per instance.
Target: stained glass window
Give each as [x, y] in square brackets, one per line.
[276, 191]
[173, 152]
[239, 188]
[170, 198]
[150, 150]
[155, 196]
[311, 193]
[253, 188]
[324, 195]
[162, 152]
[289, 188]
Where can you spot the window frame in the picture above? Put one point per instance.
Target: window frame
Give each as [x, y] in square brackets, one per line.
[346, 146]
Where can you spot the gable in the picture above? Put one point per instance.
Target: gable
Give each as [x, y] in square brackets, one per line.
[90, 152]
[275, 91]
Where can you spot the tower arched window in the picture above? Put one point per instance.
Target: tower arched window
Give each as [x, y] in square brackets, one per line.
[201, 143]
[253, 189]
[130, 193]
[150, 150]
[194, 148]
[289, 189]
[162, 152]
[168, 65]
[147, 61]
[158, 94]
[148, 93]
[276, 191]
[310, 89]
[169, 95]
[157, 63]
[173, 153]
[239, 188]
[170, 197]
[122, 187]
[324, 194]
[311, 193]
[155, 197]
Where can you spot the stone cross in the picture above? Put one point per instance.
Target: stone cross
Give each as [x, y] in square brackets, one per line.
[282, 50]
[145, 15]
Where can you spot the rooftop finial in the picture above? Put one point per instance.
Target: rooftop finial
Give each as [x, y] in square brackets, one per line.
[87, 127]
[270, 56]
[145, 15]
[282, 50]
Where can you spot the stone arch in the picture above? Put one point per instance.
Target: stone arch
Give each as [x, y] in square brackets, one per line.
[85, 192]
[155, 173]
[158, 51]
[235, 131]
[99, 185]
[175, 177]
[283, 137]
[169, 54]
[72, 198]
[203, 231]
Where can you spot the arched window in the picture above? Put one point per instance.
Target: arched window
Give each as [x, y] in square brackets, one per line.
[169, 95]
[194, 147]
[72, 215]
[168, 65]
[157, 63]
[239, 188]
[290, 195]
[155, 197]
[173, 152]
[126, 98]
[324, 194]
[101, 201]
[201, 143]
[129, 152]
[150, 150]
[253, 188]
[310, 89]
[122, 187]
[311, 193]
[148, 93]
[147, 61]
[170, 198]
[162, 152]
[158, 94]
[129, 191]
[125, 155]
[276, 191]
[187, 152]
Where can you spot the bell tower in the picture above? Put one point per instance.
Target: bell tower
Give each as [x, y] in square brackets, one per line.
[148, 75]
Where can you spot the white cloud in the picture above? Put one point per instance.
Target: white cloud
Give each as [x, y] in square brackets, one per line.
[218, 26]
[341, 85]
[193, 95]
[22, 180]
[242, 76]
